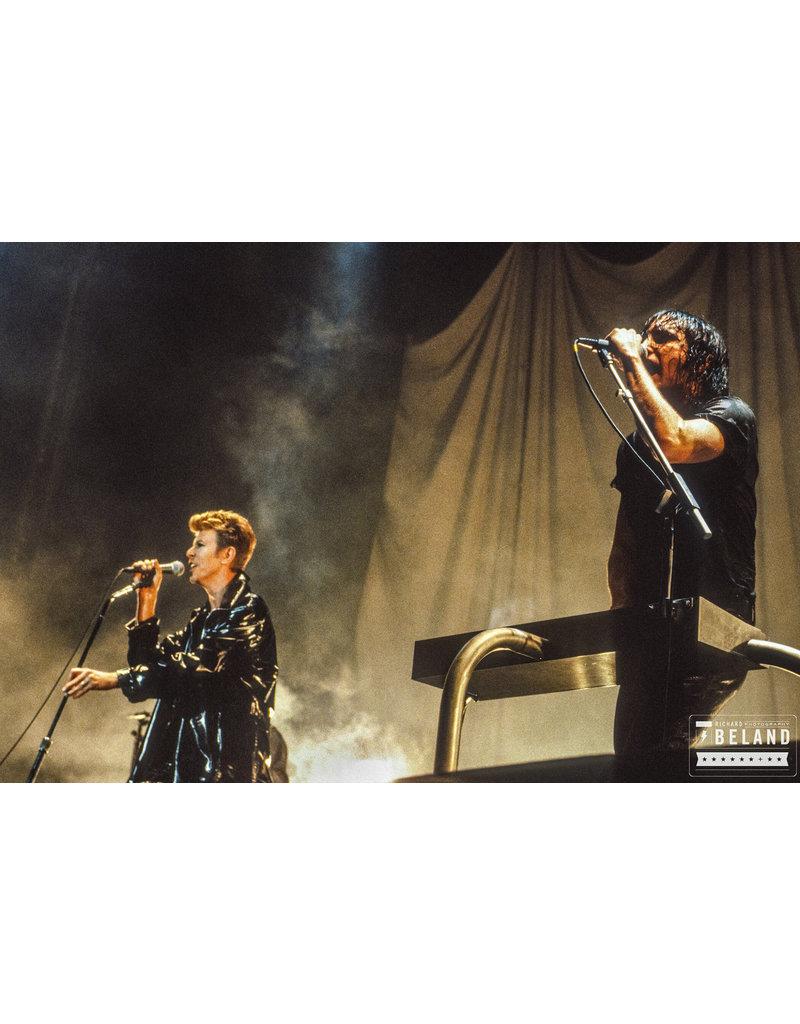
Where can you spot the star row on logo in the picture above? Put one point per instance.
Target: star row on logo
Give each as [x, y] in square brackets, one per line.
[734, 759]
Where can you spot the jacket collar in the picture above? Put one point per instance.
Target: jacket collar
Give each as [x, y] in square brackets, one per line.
[233, 594]
[235, 589]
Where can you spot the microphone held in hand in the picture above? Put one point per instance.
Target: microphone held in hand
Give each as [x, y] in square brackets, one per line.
[603, 345]
[168, 568]
[171, 569]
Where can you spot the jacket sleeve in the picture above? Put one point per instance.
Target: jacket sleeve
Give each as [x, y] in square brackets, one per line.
[228, 651]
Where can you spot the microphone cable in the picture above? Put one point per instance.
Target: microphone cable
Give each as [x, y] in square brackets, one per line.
[60, 675]
[607, 415]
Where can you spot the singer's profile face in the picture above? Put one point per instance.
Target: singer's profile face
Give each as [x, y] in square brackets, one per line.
[204, 557]
[666, 354]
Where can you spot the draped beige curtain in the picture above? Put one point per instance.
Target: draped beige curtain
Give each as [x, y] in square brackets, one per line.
[497, 506]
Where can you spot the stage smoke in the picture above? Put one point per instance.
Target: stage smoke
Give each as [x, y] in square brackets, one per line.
[308, 431]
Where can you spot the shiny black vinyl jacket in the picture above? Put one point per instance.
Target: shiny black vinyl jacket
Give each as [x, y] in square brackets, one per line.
[214, 685]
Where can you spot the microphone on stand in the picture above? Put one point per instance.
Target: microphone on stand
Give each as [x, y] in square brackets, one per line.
[603, 345]
[169, 568]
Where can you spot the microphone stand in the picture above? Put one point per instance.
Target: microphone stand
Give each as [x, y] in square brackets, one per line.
[676, 489]
[47, 740]
[676, 497]
[142, 720]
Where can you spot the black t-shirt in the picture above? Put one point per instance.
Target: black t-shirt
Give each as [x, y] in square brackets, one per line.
[723, 568]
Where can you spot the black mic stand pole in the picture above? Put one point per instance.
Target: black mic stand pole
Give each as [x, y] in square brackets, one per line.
[676, 485]
[676, 496]
[47, 741]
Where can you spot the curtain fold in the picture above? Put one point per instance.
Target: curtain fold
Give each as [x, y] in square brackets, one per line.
[497, 506]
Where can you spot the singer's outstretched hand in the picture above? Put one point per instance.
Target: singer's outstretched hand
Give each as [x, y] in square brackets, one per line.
[626, 344]
[81, 680]
[147, 595]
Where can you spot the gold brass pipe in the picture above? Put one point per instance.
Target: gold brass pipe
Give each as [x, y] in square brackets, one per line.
[454, 692]
[765, 652]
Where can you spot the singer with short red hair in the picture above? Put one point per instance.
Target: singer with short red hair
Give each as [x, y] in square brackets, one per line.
[213, 681]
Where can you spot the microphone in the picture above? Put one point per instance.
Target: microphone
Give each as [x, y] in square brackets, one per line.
[603, 345]
[169, 569]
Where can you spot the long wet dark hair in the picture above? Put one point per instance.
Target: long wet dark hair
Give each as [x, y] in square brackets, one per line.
[704, 375]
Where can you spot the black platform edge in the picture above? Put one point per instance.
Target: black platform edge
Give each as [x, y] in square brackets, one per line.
[604, 768]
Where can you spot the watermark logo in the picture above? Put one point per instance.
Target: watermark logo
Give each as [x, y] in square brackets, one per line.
[743, 745]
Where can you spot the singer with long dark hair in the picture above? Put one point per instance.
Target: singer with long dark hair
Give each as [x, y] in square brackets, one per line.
[677, 370]
[213, 681]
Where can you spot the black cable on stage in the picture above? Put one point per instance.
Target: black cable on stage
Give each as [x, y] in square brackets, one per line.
[42, 706]
[611, 421]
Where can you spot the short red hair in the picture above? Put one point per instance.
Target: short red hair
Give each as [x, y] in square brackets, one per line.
[232, 531]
